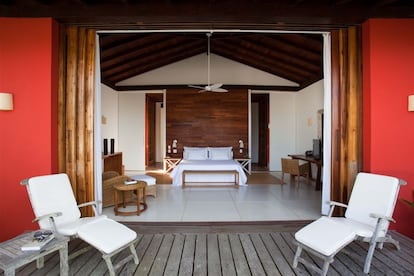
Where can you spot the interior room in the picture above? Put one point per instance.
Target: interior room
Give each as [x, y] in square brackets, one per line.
[293, 105]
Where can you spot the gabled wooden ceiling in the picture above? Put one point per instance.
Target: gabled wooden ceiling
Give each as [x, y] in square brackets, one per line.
[296, 57]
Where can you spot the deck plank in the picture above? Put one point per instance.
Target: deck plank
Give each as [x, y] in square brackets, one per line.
[240, 261]
[213, 255]
[187, 259]
[173, 263]
[226, 256]
[253, 259]
[264, 256]
[160, 260]
[200, 255]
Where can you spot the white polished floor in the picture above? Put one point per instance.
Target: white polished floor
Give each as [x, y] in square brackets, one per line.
[258, 202]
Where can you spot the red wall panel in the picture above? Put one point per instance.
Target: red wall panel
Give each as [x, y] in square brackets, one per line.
[388, 71]
[28, 133]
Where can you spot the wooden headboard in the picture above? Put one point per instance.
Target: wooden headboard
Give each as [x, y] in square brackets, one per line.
[207, 119]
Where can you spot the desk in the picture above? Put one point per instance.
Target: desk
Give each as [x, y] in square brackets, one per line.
[311, 160]
[12, 257]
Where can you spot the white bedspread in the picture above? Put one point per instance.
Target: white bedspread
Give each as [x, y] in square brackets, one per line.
[208, 165]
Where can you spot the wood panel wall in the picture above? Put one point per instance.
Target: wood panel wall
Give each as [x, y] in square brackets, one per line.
[76, 110]
[346, 112]
[207, 119]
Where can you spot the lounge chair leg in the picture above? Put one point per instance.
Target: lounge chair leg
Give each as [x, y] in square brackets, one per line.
[325, 267]
[108, 261]
[368, 259]
[134, 253]
[297, 255]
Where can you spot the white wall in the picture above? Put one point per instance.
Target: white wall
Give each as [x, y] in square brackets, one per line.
[308, 102]
[131, 123]
[109, 120]
[282, 127]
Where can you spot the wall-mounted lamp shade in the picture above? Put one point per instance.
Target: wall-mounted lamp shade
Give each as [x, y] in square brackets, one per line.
[411, 103]
[6, 101]
[241, 144]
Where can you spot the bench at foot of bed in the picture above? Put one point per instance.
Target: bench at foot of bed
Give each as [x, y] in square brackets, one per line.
[207, 183]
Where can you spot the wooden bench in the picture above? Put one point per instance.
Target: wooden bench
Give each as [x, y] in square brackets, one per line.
[189, 172]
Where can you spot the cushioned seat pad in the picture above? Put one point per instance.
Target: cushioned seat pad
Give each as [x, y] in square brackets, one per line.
[143, 177]
[106, 235]
[325, 236]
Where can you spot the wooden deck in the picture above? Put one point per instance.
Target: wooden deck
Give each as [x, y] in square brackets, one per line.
[229, 249]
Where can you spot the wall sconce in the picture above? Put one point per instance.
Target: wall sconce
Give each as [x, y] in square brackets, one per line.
[241, 146]
[411, 103]
[174, 145]
[6, 101]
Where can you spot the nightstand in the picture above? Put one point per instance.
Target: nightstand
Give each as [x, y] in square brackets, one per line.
[170, 163]
[246, 164]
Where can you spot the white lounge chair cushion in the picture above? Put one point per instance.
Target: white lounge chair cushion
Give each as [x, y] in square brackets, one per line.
[72, 228]
[106, 235]
[143, 177]
[325, 236]
[360, 229]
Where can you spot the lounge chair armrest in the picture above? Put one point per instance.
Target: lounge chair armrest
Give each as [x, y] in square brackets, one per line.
[88, 204]
[377, 216]
[47, 216]
[333, 204]
[94, 205]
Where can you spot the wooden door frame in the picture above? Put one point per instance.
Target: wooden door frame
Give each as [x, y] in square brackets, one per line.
[76, 89]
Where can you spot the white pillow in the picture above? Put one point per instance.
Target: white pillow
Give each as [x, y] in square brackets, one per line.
[195, 153]
[220, 153]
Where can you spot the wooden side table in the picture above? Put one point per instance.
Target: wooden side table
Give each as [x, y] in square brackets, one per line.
[140, 188]
[12, 257]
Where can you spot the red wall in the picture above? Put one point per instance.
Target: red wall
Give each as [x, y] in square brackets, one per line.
[28, 145]
[388, 77]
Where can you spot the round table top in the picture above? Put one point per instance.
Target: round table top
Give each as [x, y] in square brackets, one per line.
[130, 187]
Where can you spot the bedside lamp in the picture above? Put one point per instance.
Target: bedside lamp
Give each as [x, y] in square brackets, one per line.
[241, 146]
[174, 145]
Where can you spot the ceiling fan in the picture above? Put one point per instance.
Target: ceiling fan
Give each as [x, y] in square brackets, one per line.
[209, 87]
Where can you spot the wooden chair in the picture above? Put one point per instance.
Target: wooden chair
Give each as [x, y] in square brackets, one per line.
[295, 168]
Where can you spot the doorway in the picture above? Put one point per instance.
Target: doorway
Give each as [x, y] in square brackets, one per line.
[154, 102]
[260, 131]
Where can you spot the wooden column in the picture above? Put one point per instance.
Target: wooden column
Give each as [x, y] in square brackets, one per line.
[346, 111]
[76, 109]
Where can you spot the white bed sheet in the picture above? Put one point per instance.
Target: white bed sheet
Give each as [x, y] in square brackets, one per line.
[208, 165]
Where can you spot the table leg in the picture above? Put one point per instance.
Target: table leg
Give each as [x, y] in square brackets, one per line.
[64, 266]
[138, 201]
[116, 201]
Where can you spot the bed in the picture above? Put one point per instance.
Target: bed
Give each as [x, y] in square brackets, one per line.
[208, 166]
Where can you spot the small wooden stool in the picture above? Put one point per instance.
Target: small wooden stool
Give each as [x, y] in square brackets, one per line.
[139, 187]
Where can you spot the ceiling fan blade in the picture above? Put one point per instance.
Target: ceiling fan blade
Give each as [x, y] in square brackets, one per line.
[219, 90]
[196, 86]
[217, 85]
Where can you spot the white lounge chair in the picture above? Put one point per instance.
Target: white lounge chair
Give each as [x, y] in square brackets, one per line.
[55, 208]
[367, 218]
